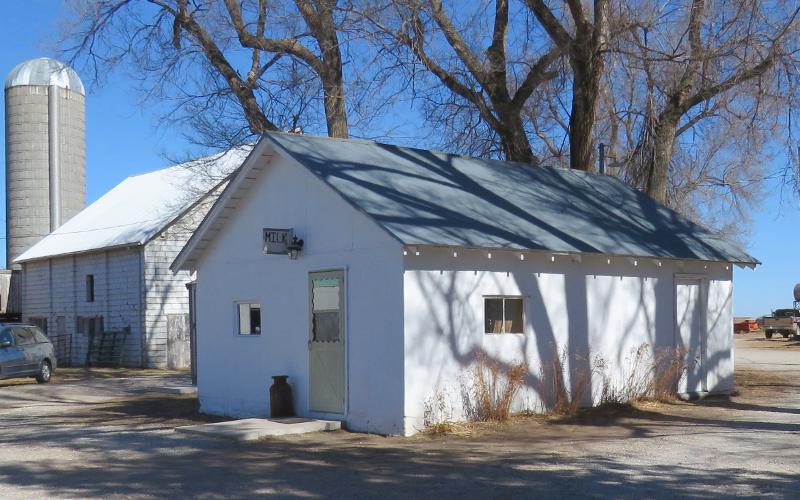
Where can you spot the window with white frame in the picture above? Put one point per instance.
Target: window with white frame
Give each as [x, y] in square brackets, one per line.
[502, 314]
[249, 316]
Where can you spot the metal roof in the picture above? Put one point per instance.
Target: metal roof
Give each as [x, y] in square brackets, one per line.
[44, 71]
[137, 209]
[423, 197]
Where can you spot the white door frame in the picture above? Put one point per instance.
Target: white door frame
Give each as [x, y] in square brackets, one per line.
[345, 337]
[703, 281]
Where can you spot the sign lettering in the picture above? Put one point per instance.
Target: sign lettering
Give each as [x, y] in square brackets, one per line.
[276, 241]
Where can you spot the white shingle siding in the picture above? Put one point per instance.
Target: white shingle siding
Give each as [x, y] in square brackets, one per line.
[165, 294]
[57, 288]
[133, 288]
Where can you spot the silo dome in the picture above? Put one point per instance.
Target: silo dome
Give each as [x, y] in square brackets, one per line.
[45, 72]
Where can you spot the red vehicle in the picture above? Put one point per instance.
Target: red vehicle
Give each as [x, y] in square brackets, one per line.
[745, 326]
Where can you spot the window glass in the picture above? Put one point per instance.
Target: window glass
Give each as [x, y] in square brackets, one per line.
[493, 314]
[503, 315]
[5, 336]
[326, 326]
[249, 319]
[326, 304]
[89, 288]
[24, 336]
[513, 315]
[40, 337]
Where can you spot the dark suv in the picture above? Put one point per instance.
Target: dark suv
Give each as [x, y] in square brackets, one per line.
[25, 351]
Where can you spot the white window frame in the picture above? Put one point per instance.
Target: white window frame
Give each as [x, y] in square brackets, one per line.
[238, 318]
[504, 297]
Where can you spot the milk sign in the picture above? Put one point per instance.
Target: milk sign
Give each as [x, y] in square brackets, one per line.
[276, 241]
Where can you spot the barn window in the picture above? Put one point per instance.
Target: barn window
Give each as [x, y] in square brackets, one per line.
[90, 288]
[249, 318]
[502, 315]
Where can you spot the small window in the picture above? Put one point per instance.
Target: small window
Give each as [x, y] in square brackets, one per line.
[90, 288]
[503, 315]
[249, 319]
[326, 321]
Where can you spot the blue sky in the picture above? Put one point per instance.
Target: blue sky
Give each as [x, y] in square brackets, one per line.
[123, 138]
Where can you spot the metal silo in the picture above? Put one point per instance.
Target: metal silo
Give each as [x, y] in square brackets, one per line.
[45, 151]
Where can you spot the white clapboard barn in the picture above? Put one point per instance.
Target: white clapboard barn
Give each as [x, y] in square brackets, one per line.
[101, 282]
[414, 263]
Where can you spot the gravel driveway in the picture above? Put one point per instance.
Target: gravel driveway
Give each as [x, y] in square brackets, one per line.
[110, 437]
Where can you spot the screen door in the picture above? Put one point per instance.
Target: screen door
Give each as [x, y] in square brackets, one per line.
[326, 342]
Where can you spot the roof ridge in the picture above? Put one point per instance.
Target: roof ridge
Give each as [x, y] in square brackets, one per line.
[368, 142]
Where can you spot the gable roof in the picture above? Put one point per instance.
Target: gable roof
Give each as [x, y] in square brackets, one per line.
[423, 197]
[136, 210]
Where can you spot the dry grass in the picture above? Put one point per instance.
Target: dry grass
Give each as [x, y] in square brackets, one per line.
[487, 397]
[650, 377]
[567, 399]
[669, 366]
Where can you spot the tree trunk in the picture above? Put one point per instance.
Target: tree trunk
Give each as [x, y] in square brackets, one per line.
[582, 117]
[515, 141]
[319, 18]
[663, 145]
[587, 62]
[333, 88]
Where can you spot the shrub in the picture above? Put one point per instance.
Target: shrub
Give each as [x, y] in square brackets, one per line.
[650, 377]
[566, 397]
[489, 391]
[438, 413]
[669, 366]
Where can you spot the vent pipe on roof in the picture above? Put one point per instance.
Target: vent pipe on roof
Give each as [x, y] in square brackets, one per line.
[601, 158]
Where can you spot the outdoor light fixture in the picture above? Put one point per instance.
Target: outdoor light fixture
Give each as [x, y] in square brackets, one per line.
[489, 255]
[455, 254]
[294, 247]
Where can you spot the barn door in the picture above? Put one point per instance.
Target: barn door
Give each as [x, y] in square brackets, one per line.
[690, 332]
[178, 348]
[326, 342]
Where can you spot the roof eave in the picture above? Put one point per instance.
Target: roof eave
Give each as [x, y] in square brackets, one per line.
[186, 259]
[740, 263]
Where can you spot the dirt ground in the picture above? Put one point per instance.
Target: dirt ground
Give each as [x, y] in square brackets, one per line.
[107, 435]
[756, 340]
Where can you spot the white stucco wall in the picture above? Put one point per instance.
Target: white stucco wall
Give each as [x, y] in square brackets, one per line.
[234, 371]
[586, 309]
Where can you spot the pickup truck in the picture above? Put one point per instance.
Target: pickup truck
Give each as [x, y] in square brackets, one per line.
[785, 322]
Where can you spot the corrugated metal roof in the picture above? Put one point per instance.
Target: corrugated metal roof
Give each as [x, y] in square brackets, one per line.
[137, 209]
[44, 71]
[423, 197]
[428, 198]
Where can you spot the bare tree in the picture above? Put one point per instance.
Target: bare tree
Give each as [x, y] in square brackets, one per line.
[717, 126]
[487, 91]
[263, 64]
[706, 62]
[585, 41]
